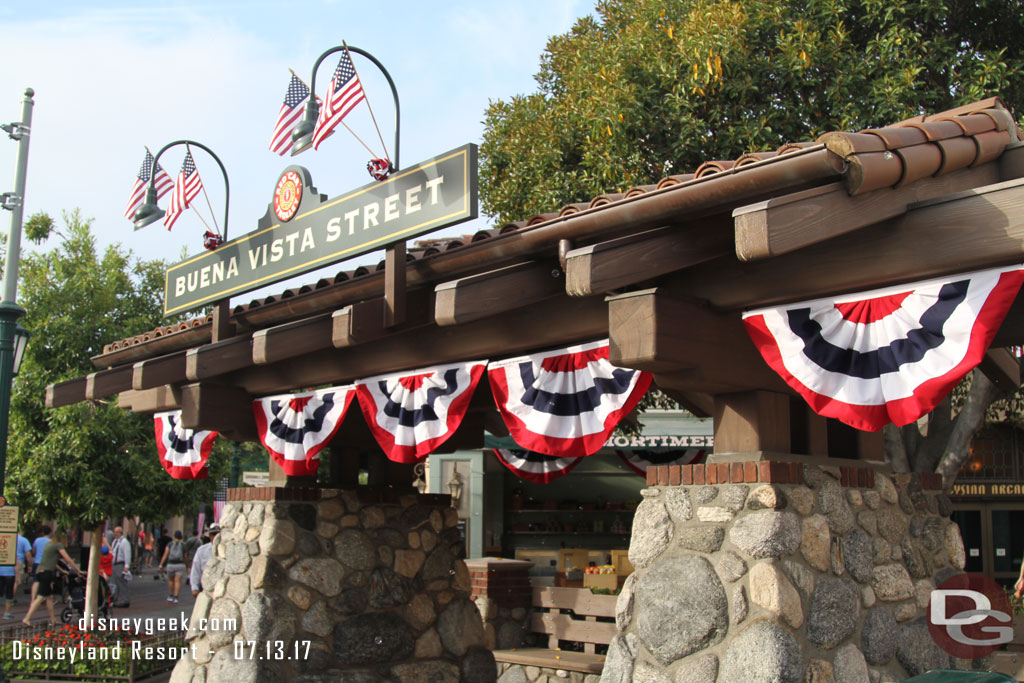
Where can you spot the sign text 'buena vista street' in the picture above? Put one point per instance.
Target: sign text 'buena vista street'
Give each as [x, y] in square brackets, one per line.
[303, 230]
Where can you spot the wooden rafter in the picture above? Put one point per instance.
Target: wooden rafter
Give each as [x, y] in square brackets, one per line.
[496, 291]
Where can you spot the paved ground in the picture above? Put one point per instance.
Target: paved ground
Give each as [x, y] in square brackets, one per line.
[147, 597]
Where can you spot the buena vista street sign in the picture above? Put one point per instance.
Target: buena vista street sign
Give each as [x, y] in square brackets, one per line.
[303, 230]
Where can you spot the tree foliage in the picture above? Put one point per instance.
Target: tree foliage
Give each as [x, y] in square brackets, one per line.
[82, 463]
[656, 87]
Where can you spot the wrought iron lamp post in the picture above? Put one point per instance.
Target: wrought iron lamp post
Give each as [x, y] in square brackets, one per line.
[13, 337]
[302, 134]
[149, 212]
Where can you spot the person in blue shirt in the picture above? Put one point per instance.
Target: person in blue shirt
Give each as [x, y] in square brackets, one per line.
[37, 553]
[10, 576]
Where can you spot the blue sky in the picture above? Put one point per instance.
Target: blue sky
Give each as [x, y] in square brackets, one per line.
[111, 78]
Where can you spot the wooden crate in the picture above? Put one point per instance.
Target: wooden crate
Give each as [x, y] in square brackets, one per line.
[606, 581]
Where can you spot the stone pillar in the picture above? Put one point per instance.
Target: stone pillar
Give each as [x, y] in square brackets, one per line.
[311, 585]
[779, 571]
[502, 591]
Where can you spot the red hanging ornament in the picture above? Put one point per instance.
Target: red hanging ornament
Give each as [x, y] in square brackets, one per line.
[380, 169]
[212, 240]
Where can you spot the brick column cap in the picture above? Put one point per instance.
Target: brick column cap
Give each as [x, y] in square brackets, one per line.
[482, 564]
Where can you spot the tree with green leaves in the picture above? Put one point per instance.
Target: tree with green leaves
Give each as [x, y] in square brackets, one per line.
[83, 463]
[651, 88]
[655, 87]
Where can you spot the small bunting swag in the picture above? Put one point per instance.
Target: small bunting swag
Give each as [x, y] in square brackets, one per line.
[183, 452]
[296, 427]
[535, 467]
[565, 403]
[888, 355]
[639, 461]
[413, 413]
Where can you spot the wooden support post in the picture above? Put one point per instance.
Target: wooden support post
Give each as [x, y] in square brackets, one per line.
[344, 466]
[394, 285]
[871, 446]
[222, 327]
[223, 409]
[377, 470]
[752, 421]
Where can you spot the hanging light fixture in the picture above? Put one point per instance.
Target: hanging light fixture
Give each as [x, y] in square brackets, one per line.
[455, 487]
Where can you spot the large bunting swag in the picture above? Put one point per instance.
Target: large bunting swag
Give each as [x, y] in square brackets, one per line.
[639, 461]
[183, 452]
[296, 427]
[888, 355]
[535, 467]
[413, 413]
[566, 402]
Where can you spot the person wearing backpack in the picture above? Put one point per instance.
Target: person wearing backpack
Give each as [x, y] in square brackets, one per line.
[174, 561]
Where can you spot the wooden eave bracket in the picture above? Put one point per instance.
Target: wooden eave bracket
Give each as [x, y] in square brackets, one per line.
[155, 372]
[66, 393]
[155, 400]
[224, 409]
[784, 224]
[496, 292]
[366, 321]
[291, 339]
[217, 359]
[965, 231]
[611, 265]
[687, 346]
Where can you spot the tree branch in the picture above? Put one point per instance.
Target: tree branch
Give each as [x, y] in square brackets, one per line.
[967, 422]
[940, 427]
[895, 448]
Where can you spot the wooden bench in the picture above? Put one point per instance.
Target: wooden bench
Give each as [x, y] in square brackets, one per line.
[566, 614]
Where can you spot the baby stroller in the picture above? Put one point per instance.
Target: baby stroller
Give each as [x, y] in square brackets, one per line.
[73, 598]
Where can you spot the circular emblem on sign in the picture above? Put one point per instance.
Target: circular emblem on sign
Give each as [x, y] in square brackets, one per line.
[287, 196]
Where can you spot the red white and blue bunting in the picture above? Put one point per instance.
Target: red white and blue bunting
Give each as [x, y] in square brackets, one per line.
[412, 413]
[888, 355]
[565, 403]
[639, 461]
[296, 427]
[183, 452]
[535, 467]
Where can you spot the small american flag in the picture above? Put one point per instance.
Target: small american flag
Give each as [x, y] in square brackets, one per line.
[291, 112]
[344, 93]
[163, 185]
[186, 187]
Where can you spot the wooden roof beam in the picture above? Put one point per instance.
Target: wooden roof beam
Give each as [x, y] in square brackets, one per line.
[211, 360]
[155, 400]
[369, 320]
[65, 393]
[971, 230]
[291, 339]
[611, 265]
[784, 224]
[519, 331]
[155, 372]
[107, 382]
[687, 346]
[223, 409]
[496, 291]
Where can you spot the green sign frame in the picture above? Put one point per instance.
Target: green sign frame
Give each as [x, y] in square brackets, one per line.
[434, 194]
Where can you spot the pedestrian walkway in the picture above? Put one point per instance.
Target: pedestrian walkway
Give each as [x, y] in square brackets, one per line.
[148, 598]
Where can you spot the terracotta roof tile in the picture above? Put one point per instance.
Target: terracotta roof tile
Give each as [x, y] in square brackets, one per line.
[876, 158]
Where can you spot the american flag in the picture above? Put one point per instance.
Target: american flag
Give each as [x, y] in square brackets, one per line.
[344, 93]
[186, 187]
[291, 112]
[163, 185]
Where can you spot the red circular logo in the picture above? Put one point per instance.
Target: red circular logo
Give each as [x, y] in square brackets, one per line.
[969, 616]
[287, 196]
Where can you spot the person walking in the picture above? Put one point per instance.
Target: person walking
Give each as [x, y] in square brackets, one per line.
[37, 553]
[46, 575]
[121, 551]
[174, 561]
[203, 555]
[23, 562]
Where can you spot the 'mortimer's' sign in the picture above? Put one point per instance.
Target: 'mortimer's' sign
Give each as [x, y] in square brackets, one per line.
[303, 230]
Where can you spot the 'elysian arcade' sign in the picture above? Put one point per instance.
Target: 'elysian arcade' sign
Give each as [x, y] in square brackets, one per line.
[303, 230]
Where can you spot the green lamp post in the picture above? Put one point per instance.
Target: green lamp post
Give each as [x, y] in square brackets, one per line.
[13, 337]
